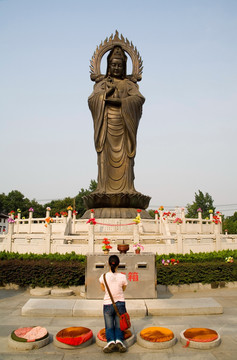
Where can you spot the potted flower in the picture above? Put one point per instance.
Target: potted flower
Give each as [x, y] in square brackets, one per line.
[63, 213]
[10, 220]
[137, 219]
[178, 221]
[138, 248]
[48, 220]
[165, 262]
[166, 214]
[216, 219]
[174, 261]
[92, 211]
[106, 247]
[168, 262]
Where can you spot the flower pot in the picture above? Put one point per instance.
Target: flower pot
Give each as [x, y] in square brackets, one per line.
[123, 248]
[137, 251]
[106, 252]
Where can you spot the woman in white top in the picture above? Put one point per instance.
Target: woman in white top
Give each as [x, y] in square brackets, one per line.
[117, 283]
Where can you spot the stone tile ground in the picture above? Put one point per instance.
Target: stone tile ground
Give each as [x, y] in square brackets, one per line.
[11, 302]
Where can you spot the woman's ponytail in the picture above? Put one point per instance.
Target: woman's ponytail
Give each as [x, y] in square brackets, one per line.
[113, 262]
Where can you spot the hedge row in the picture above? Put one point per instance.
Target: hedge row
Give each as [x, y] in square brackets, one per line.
[42, 273]
[199, 257]
[63, 274]
[69, 269]
[6, 255]
[188, 273]
[190, 257]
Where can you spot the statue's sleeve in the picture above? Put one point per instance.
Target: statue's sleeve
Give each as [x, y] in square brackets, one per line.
[132, 111]
[96, 104]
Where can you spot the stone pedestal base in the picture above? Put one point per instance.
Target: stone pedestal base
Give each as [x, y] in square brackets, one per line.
[118, 200]
[198, 344]
[155, 345]
[116, 213]
[23, 346]
[70, 347]
[128, 342]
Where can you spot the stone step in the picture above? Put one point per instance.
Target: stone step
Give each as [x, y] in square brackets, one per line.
[136, 308]
[199, 306]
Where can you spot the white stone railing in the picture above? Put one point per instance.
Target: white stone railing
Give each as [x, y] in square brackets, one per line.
[51, 243]
[70, 225]
[158, 235]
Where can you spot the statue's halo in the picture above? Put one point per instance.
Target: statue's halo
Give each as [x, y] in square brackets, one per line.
[106, 46]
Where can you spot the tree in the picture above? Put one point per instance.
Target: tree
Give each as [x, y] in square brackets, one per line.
[205, 202]
[93, 185]
[39, 210]
[80, 207]
[2, 198]
[151, 213]
[16, 200]
[13, 201]
[230, 224]
[61, 205]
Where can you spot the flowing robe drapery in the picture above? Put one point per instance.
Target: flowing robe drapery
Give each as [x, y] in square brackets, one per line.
[115, 130]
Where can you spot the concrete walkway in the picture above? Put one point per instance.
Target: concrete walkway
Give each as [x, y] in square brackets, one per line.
[12, 301]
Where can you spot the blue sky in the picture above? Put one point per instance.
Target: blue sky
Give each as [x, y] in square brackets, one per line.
[187, 134]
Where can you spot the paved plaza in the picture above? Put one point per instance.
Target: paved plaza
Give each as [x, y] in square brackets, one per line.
[12, 301]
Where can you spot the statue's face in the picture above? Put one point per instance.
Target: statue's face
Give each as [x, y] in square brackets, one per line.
[116, 68]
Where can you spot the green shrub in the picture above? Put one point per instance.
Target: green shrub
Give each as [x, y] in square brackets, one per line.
[6, 255]
[188, 273]
[198, 257]
[42, 273]
[69, 269]
[183, 258]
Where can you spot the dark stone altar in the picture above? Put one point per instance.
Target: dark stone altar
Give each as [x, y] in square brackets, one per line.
[116, 108]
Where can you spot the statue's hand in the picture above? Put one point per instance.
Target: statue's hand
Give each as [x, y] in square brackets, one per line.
[110, 88]
[116, 94]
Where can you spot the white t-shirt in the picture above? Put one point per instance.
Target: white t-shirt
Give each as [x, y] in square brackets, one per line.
[115, 282]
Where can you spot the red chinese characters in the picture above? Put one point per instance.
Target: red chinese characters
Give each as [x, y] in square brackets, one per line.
[133, 276]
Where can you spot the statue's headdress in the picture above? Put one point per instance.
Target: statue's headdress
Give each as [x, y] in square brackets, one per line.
[118, 46]
[117, 53]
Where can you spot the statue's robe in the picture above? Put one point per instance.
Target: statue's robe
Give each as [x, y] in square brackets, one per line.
[115, 130]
